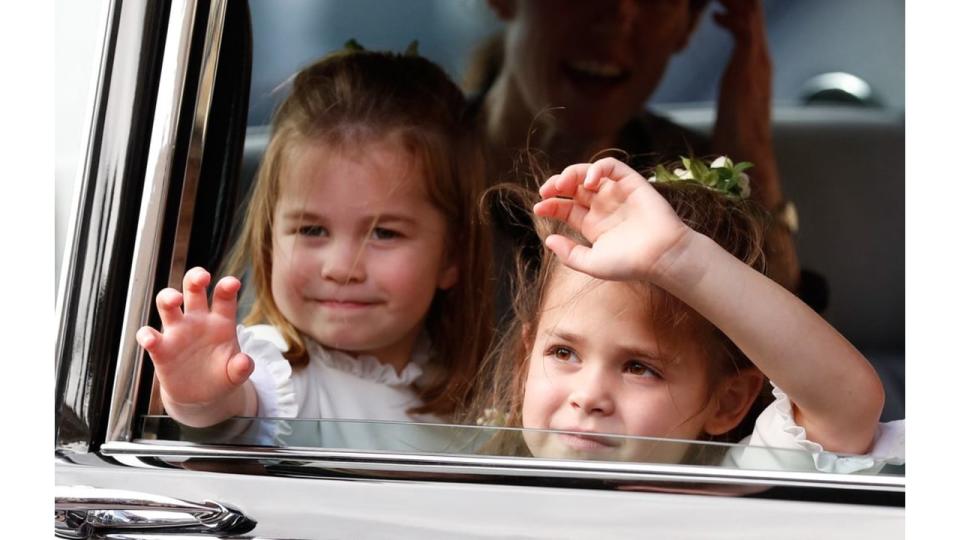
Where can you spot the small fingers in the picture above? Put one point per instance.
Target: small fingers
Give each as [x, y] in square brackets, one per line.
[573, 255]
[149, 339]
[225, 297]
[239, 369]
[566, 210]
[168, 306]
[564, 184]
[607, 168]
[195, 283]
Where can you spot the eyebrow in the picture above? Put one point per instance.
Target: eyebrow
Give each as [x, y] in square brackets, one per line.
[632, 352]
[301, 215]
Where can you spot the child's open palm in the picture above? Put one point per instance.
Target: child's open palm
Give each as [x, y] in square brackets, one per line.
[197, 357]
[631, 227]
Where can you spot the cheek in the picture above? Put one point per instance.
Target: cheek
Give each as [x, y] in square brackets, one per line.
[286, 279]
[662, 413]
[403, 273]
[541, 398]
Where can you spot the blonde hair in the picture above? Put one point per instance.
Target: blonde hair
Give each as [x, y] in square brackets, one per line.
[736, 225]
[356, 97]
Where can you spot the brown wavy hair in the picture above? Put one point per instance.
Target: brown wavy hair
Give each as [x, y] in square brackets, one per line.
[350, 98]
[736, 225]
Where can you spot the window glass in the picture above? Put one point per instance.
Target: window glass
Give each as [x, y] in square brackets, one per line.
[461, 440]
[290, 35]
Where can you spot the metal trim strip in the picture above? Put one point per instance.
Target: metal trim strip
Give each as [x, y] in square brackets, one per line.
[156, 187]
[443, 464]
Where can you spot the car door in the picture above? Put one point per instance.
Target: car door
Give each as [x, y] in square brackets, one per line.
[159, 189]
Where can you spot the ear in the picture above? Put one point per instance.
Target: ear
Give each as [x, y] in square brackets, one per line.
[505, 9]
[448, 277]
[733, 399]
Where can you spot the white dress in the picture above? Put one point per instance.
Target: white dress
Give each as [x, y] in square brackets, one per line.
[778, 443]
[369, 399]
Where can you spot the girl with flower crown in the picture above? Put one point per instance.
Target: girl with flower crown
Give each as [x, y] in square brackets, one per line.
[650, 316]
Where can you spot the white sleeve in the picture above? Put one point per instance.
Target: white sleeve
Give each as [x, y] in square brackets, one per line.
[777, 428]
[272, 372]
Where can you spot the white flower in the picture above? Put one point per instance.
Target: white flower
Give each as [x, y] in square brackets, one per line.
[491, 417]
[683, 174]
[652, 179]
[722, 162]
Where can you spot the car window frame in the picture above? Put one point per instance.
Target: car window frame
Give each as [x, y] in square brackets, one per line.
[154, 225]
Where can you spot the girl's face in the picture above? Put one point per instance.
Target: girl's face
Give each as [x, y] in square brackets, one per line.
[358, 249]
[596, 367]
[600, 60]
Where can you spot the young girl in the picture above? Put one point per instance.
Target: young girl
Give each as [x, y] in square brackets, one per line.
[657, 322]
[369, 266]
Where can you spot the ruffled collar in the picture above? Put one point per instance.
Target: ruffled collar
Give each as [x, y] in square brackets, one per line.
[369, 367]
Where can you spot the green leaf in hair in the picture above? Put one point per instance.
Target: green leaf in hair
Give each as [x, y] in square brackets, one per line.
[721, 175]
[413, 49]
[353, 45]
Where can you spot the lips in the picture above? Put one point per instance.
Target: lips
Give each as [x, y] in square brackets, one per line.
[345, 303]
[595, 74]
[587, 440]
[596, 69]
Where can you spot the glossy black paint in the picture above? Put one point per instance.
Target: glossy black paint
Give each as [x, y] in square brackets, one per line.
[111, 188]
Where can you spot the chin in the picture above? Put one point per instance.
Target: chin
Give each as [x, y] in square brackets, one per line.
[344, 341]
[590, 125]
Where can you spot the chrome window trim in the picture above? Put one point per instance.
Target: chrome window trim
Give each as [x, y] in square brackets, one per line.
[68, 262]
[97, 271]
[170, 97]
[458, 465]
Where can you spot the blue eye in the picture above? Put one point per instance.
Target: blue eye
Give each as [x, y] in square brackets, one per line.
[312, 230]
[380, 233]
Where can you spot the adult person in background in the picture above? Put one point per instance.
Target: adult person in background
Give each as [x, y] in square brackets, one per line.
[568, 79]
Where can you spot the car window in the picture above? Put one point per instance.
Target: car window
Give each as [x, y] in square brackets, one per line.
[287, 38]
[477, 440]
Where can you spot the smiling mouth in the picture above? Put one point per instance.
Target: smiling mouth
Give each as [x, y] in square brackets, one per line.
[595, 72]
[345, 304]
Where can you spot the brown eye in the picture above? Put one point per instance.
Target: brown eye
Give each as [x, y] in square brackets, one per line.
[561, 353]
[312, 230]
[639, 369]
[380, 233]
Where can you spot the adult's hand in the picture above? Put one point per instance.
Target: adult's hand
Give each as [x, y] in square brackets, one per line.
[743, 127]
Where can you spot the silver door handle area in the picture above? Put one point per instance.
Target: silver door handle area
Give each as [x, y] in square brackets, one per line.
[82, 512]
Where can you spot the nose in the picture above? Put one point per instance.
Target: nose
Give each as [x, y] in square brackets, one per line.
[592, 393]
[343, 262]
[616, 18]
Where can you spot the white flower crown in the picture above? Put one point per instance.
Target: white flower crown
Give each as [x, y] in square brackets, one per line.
[721, 175]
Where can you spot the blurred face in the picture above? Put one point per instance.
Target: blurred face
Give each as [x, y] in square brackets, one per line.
[600, 59]
[358, 249]
[596, 367]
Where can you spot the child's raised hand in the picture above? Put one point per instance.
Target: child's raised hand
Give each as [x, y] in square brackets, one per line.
[197, 357]
[631, 227]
